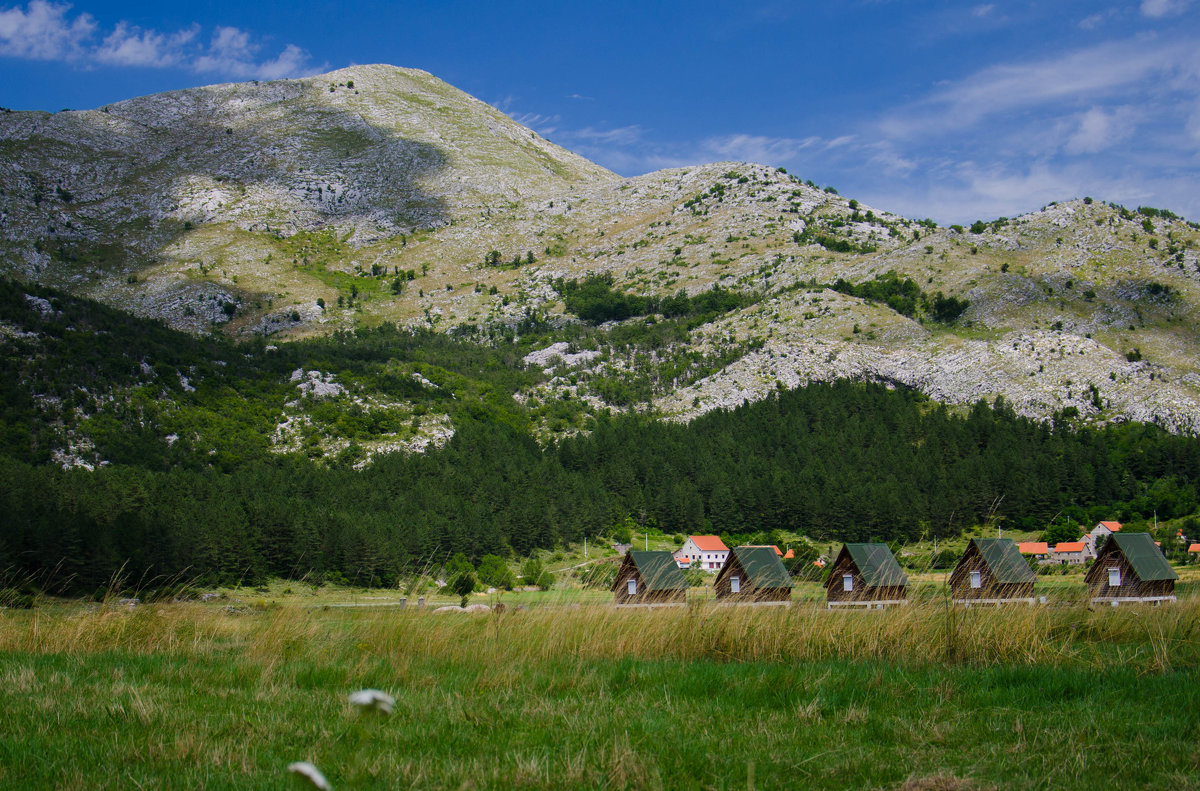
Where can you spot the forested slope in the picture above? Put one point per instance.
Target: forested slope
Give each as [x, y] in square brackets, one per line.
[846, 460]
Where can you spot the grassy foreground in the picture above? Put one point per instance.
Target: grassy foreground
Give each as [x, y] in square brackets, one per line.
[191, 696]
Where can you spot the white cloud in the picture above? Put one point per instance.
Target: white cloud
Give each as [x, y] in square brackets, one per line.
[1093, 21]
[234, 53]
[132, 46]
[542, 124]
[47, 31]
[983, 10]
[1157, 9]
[1098, 130]
[1083, 75]
[757, 148]
[42, 32]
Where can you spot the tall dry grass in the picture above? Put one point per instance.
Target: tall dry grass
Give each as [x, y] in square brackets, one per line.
[1152, 639]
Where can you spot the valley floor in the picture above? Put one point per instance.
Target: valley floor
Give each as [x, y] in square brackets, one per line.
[226, 695]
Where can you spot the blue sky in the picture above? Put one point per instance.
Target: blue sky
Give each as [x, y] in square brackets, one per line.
[951, 110]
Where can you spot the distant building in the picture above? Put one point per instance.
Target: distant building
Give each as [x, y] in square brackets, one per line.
[1130, 568]
[753, 574]
[1070, 553]
[649, 578]
[704, 552]
[992, 571]
[1099, 534]
[1039, 550]
[866, 575]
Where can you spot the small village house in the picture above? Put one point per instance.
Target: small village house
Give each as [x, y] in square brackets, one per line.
[992, 571]
[649, 577]
[865, 575]
[1070, 553]
[753, 574]
[1038, 550]
[1194, 551]
[704, 552]
[1096, 537]
[1130, 568]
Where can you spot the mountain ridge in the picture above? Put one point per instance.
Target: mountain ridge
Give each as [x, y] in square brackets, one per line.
[381, 195]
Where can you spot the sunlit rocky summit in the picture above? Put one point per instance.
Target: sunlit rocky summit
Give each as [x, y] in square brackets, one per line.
[376, 194]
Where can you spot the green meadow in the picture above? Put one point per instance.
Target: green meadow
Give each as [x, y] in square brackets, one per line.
[566, 693]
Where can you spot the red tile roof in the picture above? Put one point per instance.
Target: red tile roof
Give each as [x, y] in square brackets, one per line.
[1194, 548]
[1033, 548]
[1069, 546]
[791, 553]
[709, 543]
[1113, 526]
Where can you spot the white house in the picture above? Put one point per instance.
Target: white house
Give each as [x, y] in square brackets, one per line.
[703, 552]
[1071, 553]
[1098, 534]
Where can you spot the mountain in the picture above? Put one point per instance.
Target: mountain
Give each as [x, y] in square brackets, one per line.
[374, 195]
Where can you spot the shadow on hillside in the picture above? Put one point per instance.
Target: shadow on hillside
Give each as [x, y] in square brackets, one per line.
[319, 164]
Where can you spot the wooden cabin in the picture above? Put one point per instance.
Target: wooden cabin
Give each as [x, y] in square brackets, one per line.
[753, 575]
[992, 571]
[1130, 568]
[865, 575]
[649, 578]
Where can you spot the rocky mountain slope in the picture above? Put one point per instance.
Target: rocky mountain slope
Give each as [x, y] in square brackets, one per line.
[377, 195]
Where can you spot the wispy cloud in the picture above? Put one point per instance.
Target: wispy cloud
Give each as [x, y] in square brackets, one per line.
[1083, 75]
[1099, 129]
[1156, 9]
[44, 30]
[41, 31]
[1117, 119]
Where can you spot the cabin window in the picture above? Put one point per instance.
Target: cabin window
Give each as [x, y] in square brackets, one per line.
[1114, 578]
[976, 579]
[847, 582]
[632, 587]
[735, 585]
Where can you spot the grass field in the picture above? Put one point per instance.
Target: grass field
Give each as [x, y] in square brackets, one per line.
[567, 694]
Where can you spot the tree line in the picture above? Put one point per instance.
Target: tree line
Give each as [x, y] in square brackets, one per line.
[847, 461]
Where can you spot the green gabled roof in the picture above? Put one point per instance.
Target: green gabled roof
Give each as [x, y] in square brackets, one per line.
[659, 570]
[1004, 560]
[877, 565]
[1144, 556]
[762, 566]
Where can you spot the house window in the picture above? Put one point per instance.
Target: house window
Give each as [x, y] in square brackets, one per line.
[735, 585]
[847, 582]
[976, 579]
[632, 587]
[1114, 578]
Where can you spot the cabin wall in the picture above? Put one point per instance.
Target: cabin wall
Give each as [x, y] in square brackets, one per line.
[643, 596]
[834, 592]
[960, 578]
[960, 582]
[723, 586]
[1131, 585]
